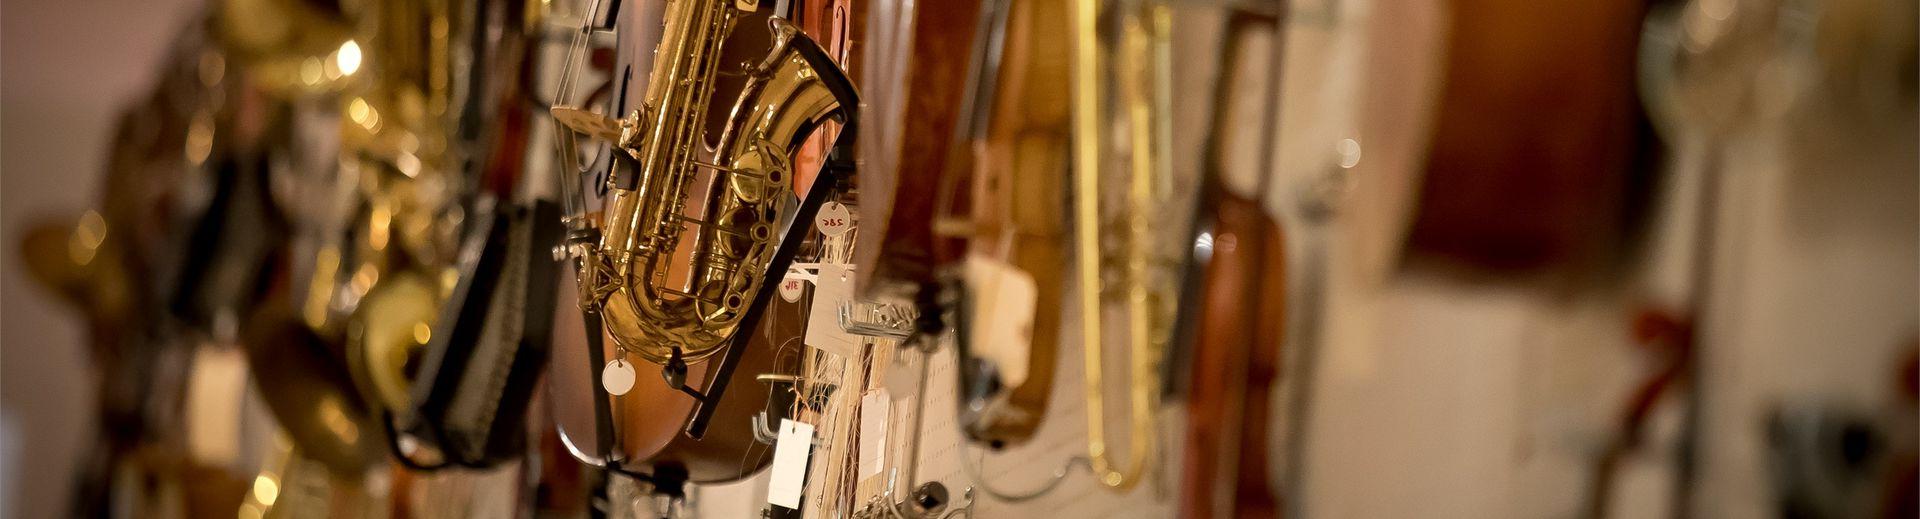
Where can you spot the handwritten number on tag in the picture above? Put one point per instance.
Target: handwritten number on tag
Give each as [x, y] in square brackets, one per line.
[834, 219]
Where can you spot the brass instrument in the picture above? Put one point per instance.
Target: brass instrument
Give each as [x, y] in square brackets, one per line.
[674, 175]
[398, 148]
[290, 48]
[700, 214]
[1123, 86]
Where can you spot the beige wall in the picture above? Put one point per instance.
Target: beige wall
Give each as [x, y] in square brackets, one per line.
[66, 69]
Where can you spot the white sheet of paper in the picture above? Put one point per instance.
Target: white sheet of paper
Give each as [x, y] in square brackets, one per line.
[1004, 298]
[834, 287]
[789, 473]
[875, 408]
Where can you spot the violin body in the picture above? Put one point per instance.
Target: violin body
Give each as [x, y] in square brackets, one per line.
[914, 144]
[1236, 361]
[1237, 343]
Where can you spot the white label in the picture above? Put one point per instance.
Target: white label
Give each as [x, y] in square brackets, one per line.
[791, 287]
[617, 377]
[216, 394]
[1002, 299]
[789, 473]
[834, 219]
[834, 287]
[875, 408]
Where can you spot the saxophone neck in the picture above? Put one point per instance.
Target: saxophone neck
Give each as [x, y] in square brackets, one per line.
[798, 86]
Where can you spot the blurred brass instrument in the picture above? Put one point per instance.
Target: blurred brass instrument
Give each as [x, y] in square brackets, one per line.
[1119, 81]
[658, 191]
[290, 47]
[397, 145]
[338, 347]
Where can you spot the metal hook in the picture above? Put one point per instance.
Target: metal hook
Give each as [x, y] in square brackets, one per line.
[878, 319]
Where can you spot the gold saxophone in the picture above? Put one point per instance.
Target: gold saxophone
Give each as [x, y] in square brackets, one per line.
[673, 177]
[1127, 81]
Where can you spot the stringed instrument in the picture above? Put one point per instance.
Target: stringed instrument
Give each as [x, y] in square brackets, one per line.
[1236, 353]
[1018, 137]
[915, 70]
[965, 192]
[1539, 158]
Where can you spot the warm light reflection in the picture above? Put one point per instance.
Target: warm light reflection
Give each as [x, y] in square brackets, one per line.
[87, 237]
[348, 58]
[265, 490]
[364, 278]
[380, 225]
[1349, 151]
[326, 264]
[336, 420]
[311, 70]
[408, 164]
[359, 111]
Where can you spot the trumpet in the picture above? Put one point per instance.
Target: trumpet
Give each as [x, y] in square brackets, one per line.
[1131, 78]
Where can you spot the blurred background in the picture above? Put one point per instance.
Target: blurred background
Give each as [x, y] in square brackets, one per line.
[69, 68]
[1565, 258]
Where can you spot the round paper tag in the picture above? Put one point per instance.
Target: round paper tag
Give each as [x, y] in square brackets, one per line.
[790, 288]
[834, 219]
[617, 377]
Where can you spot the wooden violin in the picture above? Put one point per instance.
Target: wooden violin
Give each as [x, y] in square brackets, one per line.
[1236, 350]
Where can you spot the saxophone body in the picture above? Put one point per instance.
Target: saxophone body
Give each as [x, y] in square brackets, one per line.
[700, 209]
[675, 199]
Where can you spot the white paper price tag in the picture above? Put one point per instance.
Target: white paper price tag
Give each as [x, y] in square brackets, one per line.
[791, 287]
[1003, 298]
[834, 219]
[217, 391]
[875, 408]
[617, 377]
[834, 286]
[789, 474]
